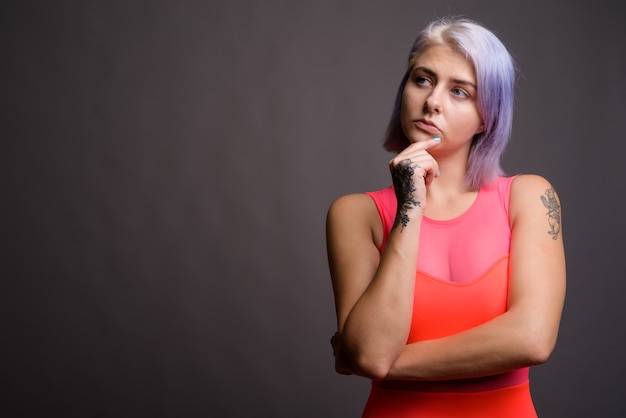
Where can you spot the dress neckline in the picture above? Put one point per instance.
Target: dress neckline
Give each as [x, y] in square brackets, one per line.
[456, 218]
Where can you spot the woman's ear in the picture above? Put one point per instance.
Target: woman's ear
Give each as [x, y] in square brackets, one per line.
[481, 128]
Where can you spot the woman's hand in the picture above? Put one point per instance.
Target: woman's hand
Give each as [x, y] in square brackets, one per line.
[342, 362]
[412, 171]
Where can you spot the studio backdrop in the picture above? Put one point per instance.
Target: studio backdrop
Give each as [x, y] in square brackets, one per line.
[168, 166]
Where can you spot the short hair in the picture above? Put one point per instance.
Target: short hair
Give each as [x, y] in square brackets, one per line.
[495, 76]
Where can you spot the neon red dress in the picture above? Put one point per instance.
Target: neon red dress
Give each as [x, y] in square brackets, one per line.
[461, 282]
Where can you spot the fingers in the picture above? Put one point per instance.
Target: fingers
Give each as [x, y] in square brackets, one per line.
[425, 144]
[342, 364]
[345, 372]
[416, 155]
[334, 340]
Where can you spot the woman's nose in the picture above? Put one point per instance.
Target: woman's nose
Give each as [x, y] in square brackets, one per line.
[433, 104]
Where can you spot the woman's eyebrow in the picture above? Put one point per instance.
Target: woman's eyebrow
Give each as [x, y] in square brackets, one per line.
[426, 70]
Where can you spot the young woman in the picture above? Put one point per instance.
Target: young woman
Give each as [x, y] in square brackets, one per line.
[450, 283]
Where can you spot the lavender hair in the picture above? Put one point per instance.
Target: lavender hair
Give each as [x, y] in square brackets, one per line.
[495, 74]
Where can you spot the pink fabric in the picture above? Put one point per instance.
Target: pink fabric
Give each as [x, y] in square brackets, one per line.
[461, 280]
[510, 402]
[463, 248]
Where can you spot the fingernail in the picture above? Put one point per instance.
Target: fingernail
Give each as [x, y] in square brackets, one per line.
[437, 139]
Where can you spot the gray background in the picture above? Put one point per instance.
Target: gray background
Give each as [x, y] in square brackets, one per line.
[167, 170]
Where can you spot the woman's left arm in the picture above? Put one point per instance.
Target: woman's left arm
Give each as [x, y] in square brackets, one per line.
[526, 333]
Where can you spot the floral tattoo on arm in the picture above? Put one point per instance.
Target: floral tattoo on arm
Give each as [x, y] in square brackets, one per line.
[551, 203]
[404, 187]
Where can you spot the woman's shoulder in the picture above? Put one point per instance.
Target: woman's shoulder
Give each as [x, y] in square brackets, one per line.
[359, 205]
[365, 201]
[531, 192]
[529, 183]
[355, 212]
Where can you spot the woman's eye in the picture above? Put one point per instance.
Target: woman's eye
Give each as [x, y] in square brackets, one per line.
[459, 92]
[421, 81]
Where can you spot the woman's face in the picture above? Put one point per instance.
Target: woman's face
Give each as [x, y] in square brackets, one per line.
[439, 99]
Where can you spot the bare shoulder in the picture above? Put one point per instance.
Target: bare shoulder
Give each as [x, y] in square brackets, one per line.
[533, 196]
[350, 203]
[526, 186]
[526, 181]
[356, 213]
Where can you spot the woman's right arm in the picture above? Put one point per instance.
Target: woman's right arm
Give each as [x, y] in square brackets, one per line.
[374, 292]
[371, 297]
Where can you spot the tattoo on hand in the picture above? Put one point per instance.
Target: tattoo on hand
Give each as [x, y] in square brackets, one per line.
[551, 203]
[404, 187]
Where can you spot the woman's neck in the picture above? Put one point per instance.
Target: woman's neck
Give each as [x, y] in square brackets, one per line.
[447, 196]
[451, 179]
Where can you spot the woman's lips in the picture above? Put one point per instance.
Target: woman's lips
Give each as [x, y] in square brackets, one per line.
[426, 126]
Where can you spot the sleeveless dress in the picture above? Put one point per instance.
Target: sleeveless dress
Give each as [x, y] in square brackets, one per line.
[461, 282]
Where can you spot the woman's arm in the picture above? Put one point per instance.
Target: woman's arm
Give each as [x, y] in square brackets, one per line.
[526, 334]
[374, 292]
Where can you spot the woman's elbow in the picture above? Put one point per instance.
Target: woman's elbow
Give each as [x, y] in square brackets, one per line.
[373, 367]
[539, 348]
